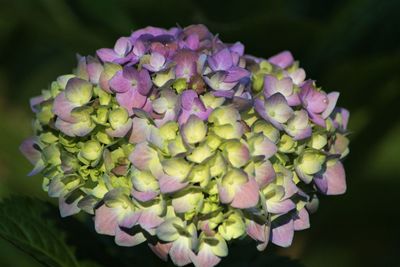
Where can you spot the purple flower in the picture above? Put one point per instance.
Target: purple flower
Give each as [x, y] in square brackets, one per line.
[192, 105]
[274, 109]
[284, 86]
[132, 87]
[157, 62]
[120, 54]
[283, 59]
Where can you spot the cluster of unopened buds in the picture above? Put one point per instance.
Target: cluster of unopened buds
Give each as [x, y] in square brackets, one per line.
[179, 140]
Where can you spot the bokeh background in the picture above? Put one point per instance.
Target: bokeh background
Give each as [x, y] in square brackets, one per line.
[349, 46]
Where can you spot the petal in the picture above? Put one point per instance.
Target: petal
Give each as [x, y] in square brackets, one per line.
[107, 54]
[246, 195]
[180, 252]
[205, 258]
[161, 250]
[35, 101]
[31, 149]
[222, 60]
[68, 209]
[123, 46]
[144, 196]
[235, 74]
[149, 220]
[264, 173]
[283, 206]
[333, 180]
[302, 221]
[106, 220]
[119, 83]
[144, 82]
[332, 99]
[131, 99]
[282, 235]
[169, 184]
[120, 131]
[125, 240]
[62, 107]
[283, 59]
[187, 99]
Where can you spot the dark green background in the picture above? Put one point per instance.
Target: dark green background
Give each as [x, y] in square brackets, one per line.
[347, 46]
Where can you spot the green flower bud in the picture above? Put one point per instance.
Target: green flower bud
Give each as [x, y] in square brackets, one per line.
[176, 167]
[286, 144]
[267, 129]
[180, 85]
[118, 117]
[168, 131]
[233, 227]
[318, 141]
[91, 150]
[194, 130]
[78, 91]
[52, 155]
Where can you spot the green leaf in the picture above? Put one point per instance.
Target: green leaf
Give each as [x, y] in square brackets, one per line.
[23, 222]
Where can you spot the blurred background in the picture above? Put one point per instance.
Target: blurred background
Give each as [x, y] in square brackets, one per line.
[347, 46]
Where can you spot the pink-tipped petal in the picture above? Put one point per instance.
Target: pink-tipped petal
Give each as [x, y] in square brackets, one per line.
[282, 235]
[170, 184]
[302, 221]
[246, 196]
[125, 240]
[161, 250]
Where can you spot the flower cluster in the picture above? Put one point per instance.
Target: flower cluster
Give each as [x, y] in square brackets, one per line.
[185, 142]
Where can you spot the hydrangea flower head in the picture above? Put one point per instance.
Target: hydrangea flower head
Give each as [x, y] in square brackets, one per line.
[175, 138]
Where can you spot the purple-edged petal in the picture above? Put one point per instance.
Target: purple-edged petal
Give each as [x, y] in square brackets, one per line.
[187, 99]
[313, 100]
[120, 131]
[246, 196]
[68, 209]
[264, 174]
[259, 233]
[205, 258]
[275, 109]
[144, 196]
[332, 99]
[180, 252]
[222, 60]
[235, 74]
[35, 101]
[282, 235]
[283, 59]
[125, 240]
[156, 62]
[272, 85]
[62, 107]
[131, 99]
[186, 64]
[333, 180]
[217, 81]
[302, 221]
[298, 126]
[119, 83]
[31, 150]
[161, 250]
[107, 54]
[282, 206]
[106, 220]
[170, 184]
[123, 46]
[149, 220]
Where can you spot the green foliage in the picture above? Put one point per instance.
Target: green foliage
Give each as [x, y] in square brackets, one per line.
[25, 223]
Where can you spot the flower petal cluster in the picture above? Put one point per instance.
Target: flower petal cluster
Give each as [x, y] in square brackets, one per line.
[175, 138]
